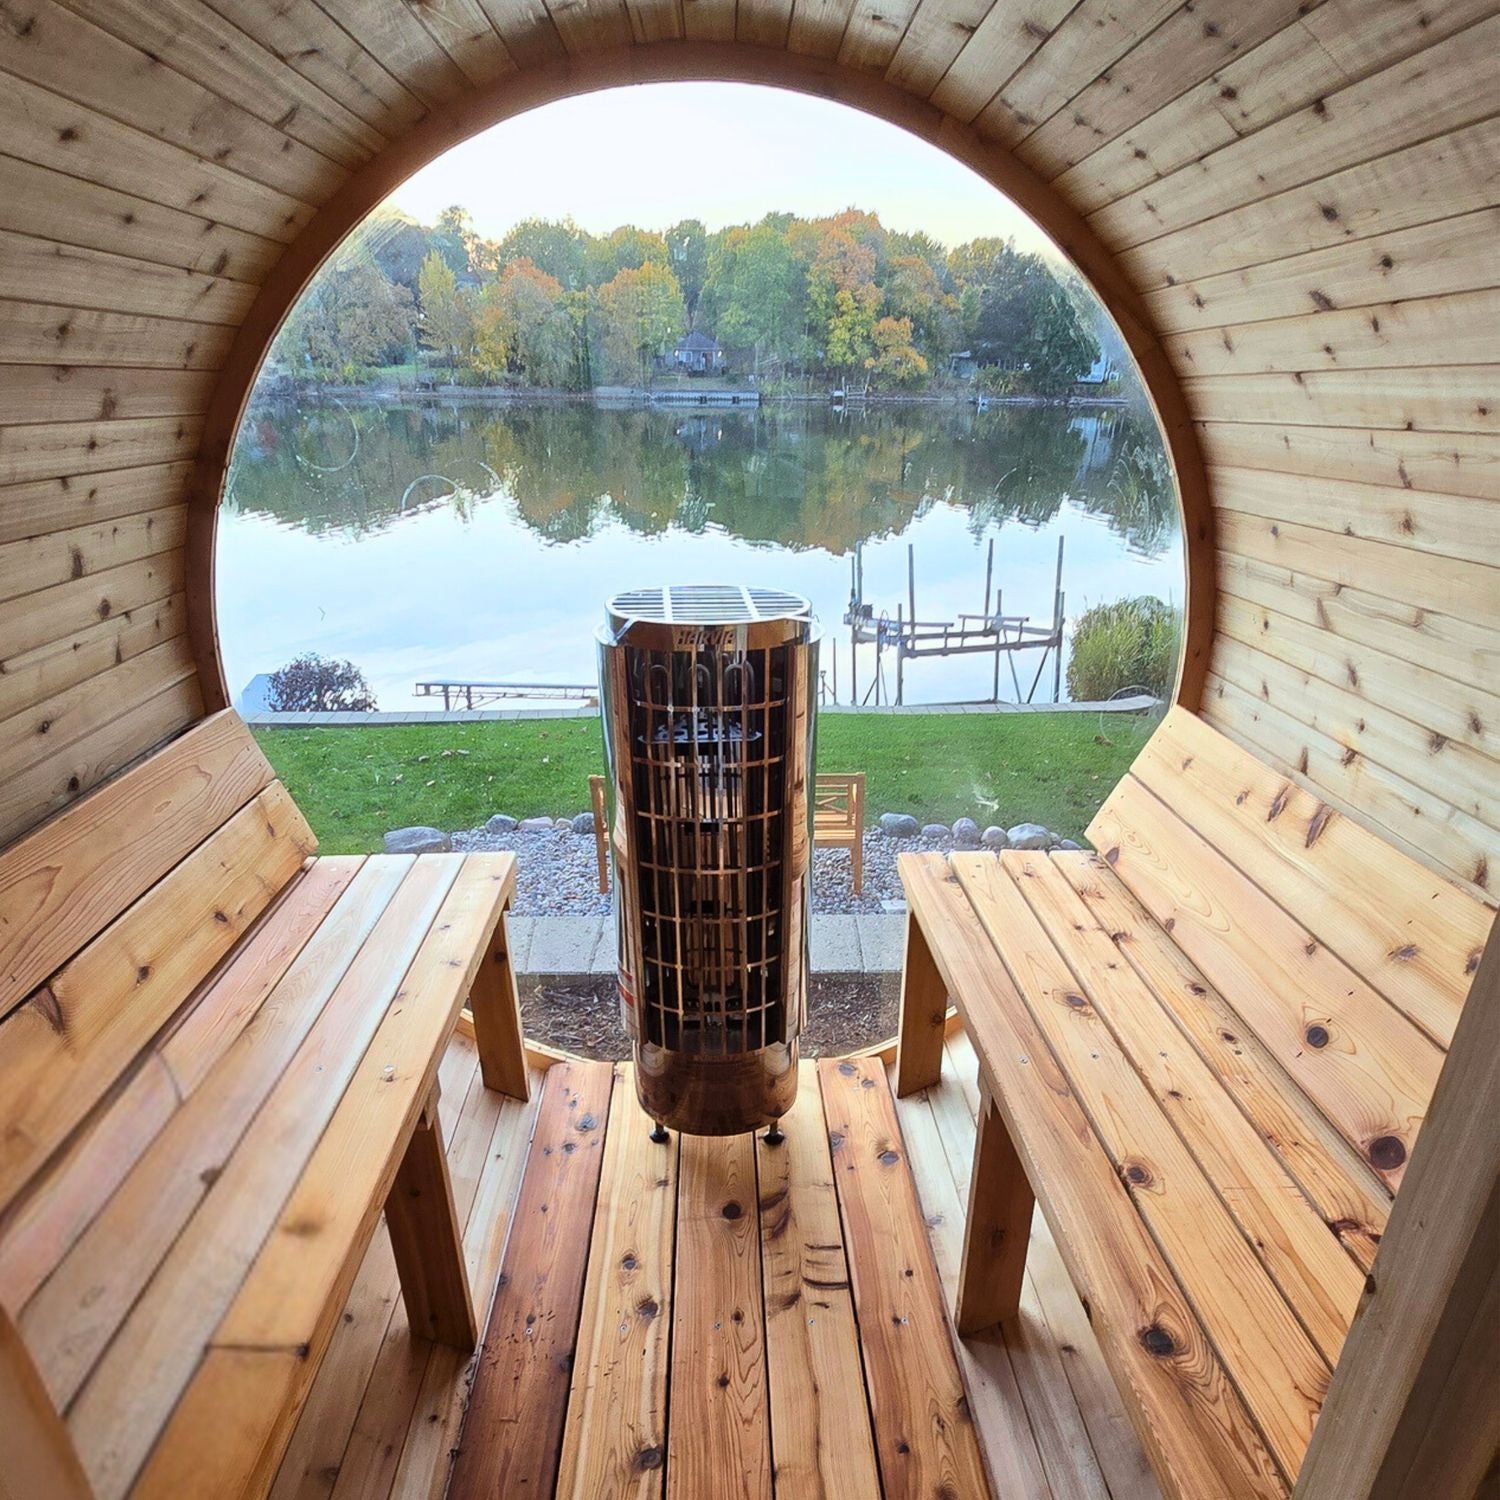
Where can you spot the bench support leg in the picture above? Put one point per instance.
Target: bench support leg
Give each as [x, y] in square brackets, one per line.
[997, 1230]
[497, 1019]
[427, 1241]
[924, 1015]
[857, 863]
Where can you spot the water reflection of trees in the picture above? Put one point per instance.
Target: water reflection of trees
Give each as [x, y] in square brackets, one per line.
[795, 476]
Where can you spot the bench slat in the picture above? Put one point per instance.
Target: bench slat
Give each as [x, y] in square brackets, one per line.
[292, 1295]
[1368, 1067]
[1188, 1414]
[1352, 1200]
[76, 1313]
[1418, 944]
[63, 1050]
[119, 1413]
[201, 1037]
[301, 1276]
[1259, 1341]
[1317, 1276]
[70, 878]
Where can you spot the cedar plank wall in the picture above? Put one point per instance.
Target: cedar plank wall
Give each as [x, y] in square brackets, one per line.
[1296, 198]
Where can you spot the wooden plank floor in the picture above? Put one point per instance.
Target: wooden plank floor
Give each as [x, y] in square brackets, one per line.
[715, 1317]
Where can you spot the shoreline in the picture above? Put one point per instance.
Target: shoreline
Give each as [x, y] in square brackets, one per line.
[644, 398]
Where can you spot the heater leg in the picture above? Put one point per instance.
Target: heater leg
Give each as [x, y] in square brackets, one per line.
[775, 1135]
[659, 1135]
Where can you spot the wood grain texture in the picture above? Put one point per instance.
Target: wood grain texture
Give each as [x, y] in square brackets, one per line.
[718, 1440]
[512, 1437]
[615, 1442]
[1351, 1198]
[62, 884]
[1188, 1415]
[821, 1444]
[1266, 1352]
[68, 1044]
[924, 1435]
[1418, 1348]
[997, 1229]
[1365, 1064]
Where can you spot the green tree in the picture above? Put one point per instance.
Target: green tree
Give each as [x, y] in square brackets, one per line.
[642, 312]
[754, 292]
[687, 252]
[557, 246]
[447, 317]
[351, 316]
[624, 249]
[1057, 348]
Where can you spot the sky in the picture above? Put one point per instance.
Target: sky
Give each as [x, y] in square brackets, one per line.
[725, 153]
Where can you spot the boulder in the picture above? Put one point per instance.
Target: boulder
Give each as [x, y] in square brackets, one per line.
[937, 831]
[563, 825]
[899, 825]
[1029, 836]
[1068, 844]
[583, 823]
[966, 833]
[501, 823]
[995, 838]
[417, 841]
[535, 825]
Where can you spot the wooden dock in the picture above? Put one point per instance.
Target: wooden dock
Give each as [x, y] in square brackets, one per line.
[473, 694]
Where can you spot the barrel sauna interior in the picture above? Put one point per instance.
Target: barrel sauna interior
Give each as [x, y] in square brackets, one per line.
[1290, 208]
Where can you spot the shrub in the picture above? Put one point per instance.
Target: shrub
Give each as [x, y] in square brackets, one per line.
[1131, 643]
[313, 684]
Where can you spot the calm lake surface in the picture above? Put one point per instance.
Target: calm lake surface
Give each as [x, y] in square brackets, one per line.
[429, 541]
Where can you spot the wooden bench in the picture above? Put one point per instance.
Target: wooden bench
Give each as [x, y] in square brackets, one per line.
[1206, 1053]
[838, 821]
[220, 1061]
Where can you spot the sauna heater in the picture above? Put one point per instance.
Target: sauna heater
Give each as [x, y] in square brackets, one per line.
[708, 722]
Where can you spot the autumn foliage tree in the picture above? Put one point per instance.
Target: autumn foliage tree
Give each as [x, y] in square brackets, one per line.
[643, 314]
[313, 684]
[550, 303]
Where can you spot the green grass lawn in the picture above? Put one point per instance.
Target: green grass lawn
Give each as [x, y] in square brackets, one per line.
[354, 784]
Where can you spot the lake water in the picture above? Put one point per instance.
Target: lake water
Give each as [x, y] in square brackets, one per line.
[429, 541]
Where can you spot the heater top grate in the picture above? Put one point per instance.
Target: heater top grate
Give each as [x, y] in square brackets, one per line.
[708, 604]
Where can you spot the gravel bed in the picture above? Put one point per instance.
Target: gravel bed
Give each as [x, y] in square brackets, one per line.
[557, 876]
[581, 1013]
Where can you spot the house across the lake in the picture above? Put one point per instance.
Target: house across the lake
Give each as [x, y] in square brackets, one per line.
[698, 354]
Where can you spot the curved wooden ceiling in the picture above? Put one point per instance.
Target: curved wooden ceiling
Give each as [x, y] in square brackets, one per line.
[1291, 204]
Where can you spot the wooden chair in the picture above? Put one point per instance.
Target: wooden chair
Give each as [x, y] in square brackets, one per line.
[220, 1061]
[839, 820]
[1206, 1052]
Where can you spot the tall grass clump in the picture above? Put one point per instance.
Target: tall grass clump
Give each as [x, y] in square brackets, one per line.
[1130, 644]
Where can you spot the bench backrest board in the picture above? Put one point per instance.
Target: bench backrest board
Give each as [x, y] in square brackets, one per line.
[838, 802]
[1348, 959]
[115, 910]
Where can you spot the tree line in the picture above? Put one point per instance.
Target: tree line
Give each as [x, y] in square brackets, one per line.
[552, 305]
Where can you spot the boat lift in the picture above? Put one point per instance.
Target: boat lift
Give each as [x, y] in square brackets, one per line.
[991, 631]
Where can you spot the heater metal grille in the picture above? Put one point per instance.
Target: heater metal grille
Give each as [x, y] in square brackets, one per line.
[708, 764]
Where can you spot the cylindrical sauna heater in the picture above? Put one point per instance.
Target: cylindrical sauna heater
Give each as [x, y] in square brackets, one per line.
[708, 720]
